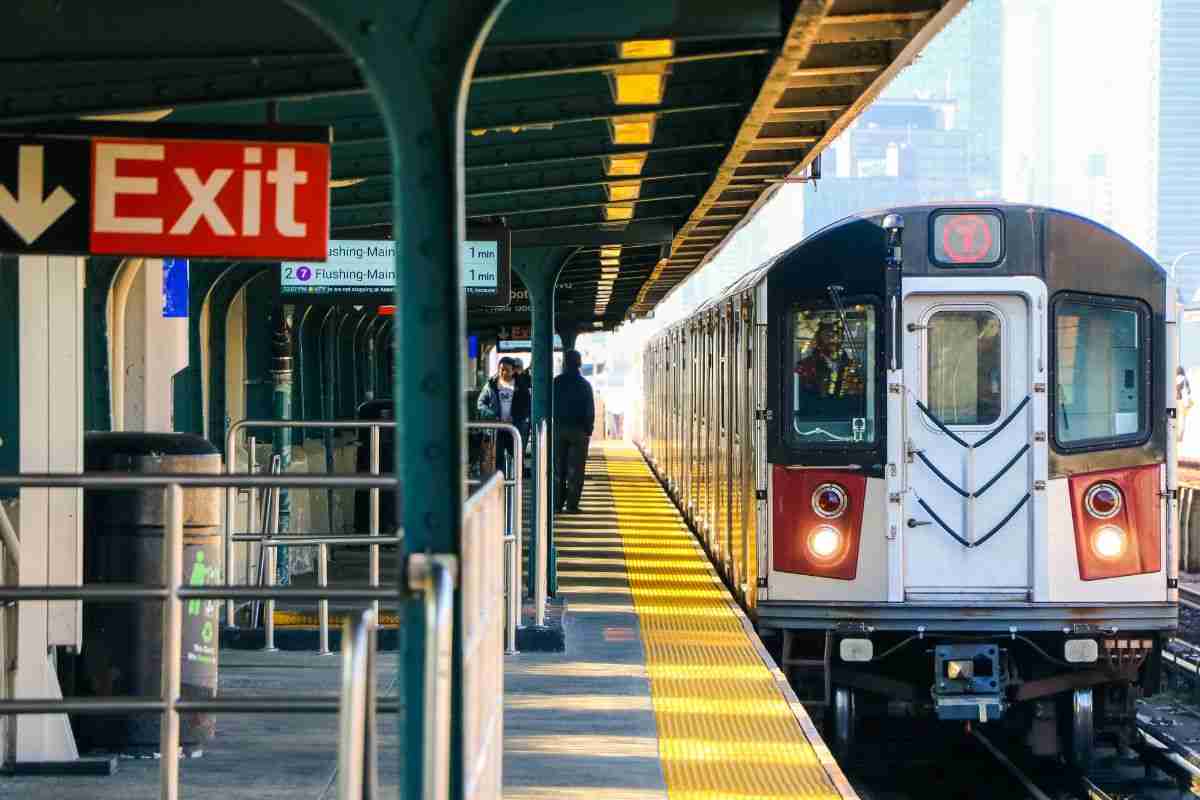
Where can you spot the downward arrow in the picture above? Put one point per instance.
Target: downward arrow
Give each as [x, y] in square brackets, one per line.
[29, 214]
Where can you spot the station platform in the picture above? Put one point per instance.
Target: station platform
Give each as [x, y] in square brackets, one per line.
[664, 690]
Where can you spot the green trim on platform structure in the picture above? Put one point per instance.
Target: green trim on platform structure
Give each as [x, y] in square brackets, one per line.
[97, 386]
[414, 58]
[10, 370]
[539, 269]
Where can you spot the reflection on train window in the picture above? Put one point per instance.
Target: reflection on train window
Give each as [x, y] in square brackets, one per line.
[1098, 356]
[964, 372]
[833, 378]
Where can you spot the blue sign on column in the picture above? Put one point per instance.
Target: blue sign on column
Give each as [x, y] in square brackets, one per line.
[175, 287]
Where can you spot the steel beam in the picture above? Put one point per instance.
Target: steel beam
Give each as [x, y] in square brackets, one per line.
[539, 269]
[418, 60]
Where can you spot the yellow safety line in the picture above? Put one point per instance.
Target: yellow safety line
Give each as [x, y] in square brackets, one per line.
[725, 729]
[309, 619]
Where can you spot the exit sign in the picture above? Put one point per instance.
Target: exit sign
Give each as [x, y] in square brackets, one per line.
[183, 195]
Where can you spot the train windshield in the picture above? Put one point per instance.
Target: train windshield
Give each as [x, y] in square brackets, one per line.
[833, 376]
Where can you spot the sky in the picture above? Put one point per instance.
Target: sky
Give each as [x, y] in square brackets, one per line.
[1079, 87]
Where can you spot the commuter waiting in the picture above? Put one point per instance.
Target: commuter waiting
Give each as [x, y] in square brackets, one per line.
[503, 399]
[574, 418]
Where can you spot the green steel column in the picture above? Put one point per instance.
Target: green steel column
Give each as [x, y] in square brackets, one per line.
[281, 405]
[538, 268]
[417, 60]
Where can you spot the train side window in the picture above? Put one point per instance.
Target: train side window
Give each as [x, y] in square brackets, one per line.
[833, 363]
[964, 366]
[1100, 380]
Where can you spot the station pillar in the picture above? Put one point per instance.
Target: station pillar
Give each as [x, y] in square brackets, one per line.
[50, 523]
[539, 268]
[417, 60]
[281, 405]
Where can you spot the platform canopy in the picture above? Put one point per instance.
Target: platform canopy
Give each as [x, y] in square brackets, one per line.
[642, 132]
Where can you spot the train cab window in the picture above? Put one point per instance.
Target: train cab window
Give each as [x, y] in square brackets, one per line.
[833, 379]
[1099, 362]
[964, 366]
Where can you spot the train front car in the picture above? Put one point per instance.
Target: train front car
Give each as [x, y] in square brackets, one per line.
[964, 466]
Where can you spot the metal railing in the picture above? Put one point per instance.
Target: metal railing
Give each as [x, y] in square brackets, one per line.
[438, 591]
[514, 527]
[357, 773]
[271, 539]
[322, 547]
[542, 534]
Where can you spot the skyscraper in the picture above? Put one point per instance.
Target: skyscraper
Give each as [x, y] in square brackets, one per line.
[1179, 141]
[935, 133]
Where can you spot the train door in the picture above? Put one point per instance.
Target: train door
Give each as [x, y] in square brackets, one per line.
[968, 372]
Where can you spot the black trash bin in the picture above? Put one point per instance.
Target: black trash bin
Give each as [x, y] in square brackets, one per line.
[123, 540]
[388, 521]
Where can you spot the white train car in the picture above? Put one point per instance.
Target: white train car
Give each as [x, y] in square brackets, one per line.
[931, 449]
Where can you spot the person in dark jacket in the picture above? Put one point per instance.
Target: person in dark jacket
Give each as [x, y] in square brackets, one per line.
[574, 418]
[522, 406]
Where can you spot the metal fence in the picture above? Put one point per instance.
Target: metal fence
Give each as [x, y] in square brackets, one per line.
[271, 538]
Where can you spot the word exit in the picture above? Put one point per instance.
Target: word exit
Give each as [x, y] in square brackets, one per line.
[199, 198]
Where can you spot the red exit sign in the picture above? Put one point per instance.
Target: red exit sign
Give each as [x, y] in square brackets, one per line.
[210, 198]
[171, 196]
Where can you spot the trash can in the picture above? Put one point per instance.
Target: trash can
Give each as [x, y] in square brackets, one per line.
[388, 521]
[123, 541]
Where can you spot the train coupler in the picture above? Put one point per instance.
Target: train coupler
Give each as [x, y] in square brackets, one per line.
[969, 682]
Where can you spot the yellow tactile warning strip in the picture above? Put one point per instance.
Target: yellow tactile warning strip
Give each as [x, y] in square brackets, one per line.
[309, 619]
[726, 729]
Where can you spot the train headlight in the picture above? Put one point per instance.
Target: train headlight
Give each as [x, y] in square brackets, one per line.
[1109, 542]
[825, 542]
[1103, 500]
[829, 501]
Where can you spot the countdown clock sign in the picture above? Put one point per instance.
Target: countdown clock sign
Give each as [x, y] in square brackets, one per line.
[363, 272]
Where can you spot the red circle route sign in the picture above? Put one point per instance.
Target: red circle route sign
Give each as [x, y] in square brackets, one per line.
[966, 238]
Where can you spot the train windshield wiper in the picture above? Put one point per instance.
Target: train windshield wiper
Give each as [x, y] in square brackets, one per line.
[835, 294]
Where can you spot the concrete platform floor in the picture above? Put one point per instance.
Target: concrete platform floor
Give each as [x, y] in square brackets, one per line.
[255, 756]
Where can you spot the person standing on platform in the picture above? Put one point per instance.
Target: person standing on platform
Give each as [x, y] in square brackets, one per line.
[522, 407]
[574, 418]
[496, 404]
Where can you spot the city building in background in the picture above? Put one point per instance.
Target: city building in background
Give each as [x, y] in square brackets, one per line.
[1178, 134]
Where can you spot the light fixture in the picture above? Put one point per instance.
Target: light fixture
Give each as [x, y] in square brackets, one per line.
[626, 190]
[618, 212]
[1109, 542]
[625, 164]
[345, 183]
[829, 500]
[1103, 500]
[824, 542]
[632, 129]
[151, 115]
[639, 88]
[646, 48]
[610, 251]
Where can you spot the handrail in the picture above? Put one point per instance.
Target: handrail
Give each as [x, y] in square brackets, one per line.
[435, 575]
[374, 425]
[513, 537]
[169, 703]
[964, 542]
[969, 445]
[542, 534]
[979, 493]
[12, 545]
[357, 776]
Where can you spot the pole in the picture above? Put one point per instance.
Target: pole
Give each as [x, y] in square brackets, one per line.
[281, 382]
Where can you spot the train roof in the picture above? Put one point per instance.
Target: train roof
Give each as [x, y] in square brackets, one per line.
[753, 276]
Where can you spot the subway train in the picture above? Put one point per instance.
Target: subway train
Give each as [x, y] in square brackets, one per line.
[931, 451]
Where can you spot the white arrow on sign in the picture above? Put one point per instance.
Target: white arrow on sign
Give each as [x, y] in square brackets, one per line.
[29, 213]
